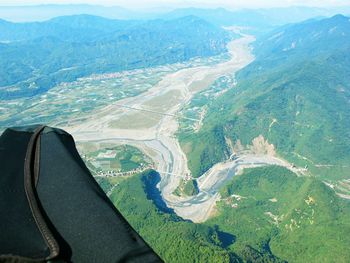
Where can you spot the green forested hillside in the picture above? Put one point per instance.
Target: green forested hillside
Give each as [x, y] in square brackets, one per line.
[294, 218]
[36, 56]
[266, 215]
[299, 100]
[174, 239]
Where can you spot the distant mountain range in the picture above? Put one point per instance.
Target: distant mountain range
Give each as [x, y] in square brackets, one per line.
[260, 18]
[75, 28]
[258, 21]
[40, 55]
[49, 11]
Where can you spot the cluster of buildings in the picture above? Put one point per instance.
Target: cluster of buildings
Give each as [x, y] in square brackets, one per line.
[119, 172]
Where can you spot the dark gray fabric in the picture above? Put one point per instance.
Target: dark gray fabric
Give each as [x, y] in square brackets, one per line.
[82, 219]
[19, 234]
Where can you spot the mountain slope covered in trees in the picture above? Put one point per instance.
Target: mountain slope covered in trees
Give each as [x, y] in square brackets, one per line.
[296, 94]
[267, 214]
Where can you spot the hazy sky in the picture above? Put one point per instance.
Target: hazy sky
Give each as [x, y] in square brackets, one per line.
[183, 3]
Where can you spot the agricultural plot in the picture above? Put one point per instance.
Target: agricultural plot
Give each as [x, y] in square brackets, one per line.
[73, 102]
[121, 160]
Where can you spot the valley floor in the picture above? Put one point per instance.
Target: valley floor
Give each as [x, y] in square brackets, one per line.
[149, 122]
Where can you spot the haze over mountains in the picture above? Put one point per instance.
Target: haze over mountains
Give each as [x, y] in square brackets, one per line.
[46, 12]
[270, 16]
[292, 102]
[257, 19]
